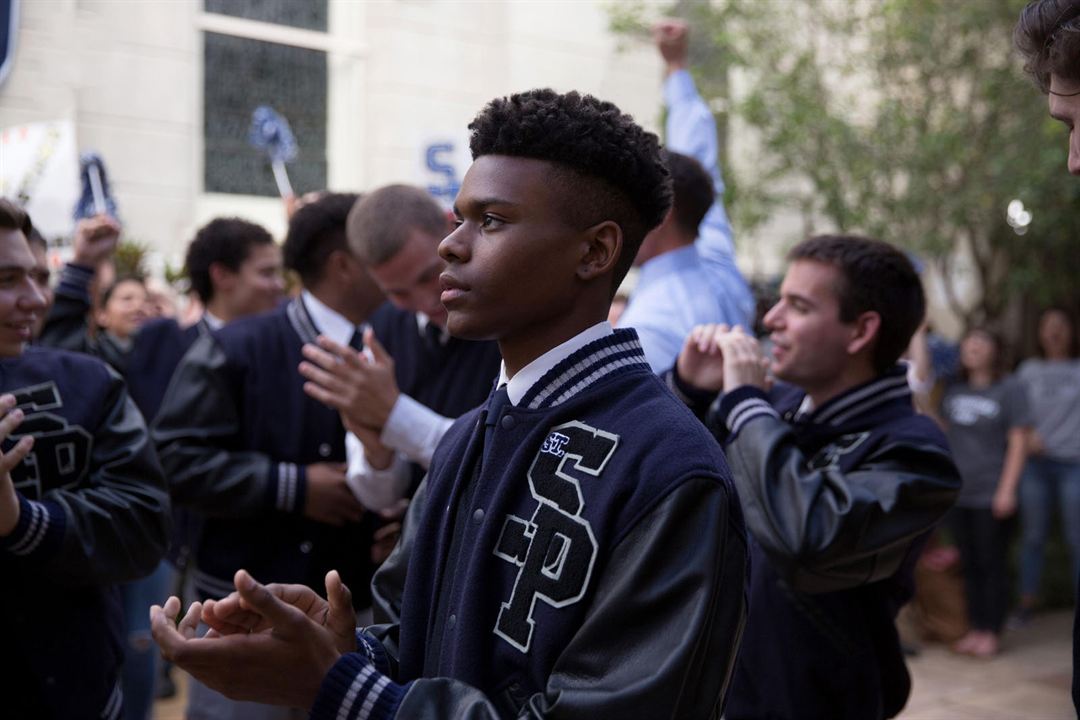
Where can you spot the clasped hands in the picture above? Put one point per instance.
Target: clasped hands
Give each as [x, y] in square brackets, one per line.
[719, 357]
[272, 644]
[360, 386]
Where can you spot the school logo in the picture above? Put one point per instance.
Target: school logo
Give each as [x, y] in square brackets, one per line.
[831, 454]
[555, 549]
[60, 457]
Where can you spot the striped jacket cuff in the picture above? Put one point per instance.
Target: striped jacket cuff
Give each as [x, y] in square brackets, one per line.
[75, 282]
[742, 405]
[355, 690]
[373, 650]
[288, 484]
[39, 531]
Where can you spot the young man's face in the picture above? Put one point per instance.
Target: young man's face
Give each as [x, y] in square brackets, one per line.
[410, 279]
[21, 302]
[1065, 106]
[809, 340]
[40, 275]
[259, 283]
[512, 261]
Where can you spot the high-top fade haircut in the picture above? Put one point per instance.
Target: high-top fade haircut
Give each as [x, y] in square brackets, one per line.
[1048, 37]
[316, 230]
[608, 167]
[226, 241]
[875, 277]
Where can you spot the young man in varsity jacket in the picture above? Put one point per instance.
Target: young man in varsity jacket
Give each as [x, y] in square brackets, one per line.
[83, 506]
[840, 480]
[577, 549]
[419, 378]
[243, 445]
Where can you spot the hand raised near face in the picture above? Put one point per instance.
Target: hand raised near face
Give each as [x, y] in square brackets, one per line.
[700, 363]
[362, 387]
[672, 38]
[744, 361]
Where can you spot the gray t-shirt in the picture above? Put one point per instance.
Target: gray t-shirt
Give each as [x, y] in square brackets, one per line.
[1053, 388]
[978, 423]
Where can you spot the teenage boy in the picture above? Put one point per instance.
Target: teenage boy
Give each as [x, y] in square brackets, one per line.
[840, 480]
[1048, 36]
[576, 550]
[243, 445]
[83, 506]
[418, 377]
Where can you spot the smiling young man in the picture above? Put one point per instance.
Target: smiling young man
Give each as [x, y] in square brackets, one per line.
[840, 480]
[576, 550]
[83, 506]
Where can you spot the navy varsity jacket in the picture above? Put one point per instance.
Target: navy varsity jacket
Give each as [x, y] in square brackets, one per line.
[592, 564]
[234, 433]
[93, 512]
[838, 503]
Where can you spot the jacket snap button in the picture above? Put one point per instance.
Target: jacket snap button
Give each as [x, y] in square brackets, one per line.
[478, 516]
[305, 547]
[507, 422]
[451, 622]
[324, 450]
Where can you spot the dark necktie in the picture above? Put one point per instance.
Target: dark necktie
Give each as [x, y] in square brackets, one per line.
[498, 403]
[356, 342]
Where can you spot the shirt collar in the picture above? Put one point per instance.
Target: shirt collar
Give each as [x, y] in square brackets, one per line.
[529, 375]
[213, 321]
[329, 322]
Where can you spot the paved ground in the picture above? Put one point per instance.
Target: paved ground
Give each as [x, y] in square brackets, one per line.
[1030, 679]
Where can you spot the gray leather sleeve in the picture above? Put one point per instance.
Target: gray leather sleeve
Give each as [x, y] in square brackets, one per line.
[659, 640]
[826, 530]
[195, 430]
[117, 524]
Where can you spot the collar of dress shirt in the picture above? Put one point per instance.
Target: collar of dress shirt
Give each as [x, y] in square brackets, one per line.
[529, 375]
[422, 321]
[329, 322]
[213, 321]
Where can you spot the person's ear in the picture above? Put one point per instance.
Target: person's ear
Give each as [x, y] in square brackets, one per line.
[864, 331]
[602, 247]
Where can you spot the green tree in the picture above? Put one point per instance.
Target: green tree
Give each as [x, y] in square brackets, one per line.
[908, 120]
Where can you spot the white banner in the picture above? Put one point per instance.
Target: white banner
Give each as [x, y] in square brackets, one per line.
[39, 169]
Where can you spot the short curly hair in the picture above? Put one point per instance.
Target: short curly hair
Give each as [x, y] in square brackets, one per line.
[225, 241]
[614, 167]
[315, 232]
[1048, 36]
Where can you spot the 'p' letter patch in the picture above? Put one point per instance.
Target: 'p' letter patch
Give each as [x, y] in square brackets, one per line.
[555, 549]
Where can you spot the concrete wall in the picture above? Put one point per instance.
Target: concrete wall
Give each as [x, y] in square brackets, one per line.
[402, 74]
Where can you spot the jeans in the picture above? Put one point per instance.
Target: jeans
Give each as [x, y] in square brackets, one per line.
[1047, 482]
[983, 541]
[140, 653]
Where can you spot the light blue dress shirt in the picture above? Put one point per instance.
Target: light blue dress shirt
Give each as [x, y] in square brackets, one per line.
[699, 283]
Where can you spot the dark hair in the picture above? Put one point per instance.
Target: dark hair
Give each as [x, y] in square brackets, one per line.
[34, 237]
[116, 283]
[13, 217]
[315, 231]
[380, 222]
[876, 278]
[694, 192]
[226, 241]
[997, 368]
[1048, 36]
[613, 169]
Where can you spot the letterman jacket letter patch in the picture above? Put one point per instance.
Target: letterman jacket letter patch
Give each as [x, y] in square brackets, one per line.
[554, 549]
